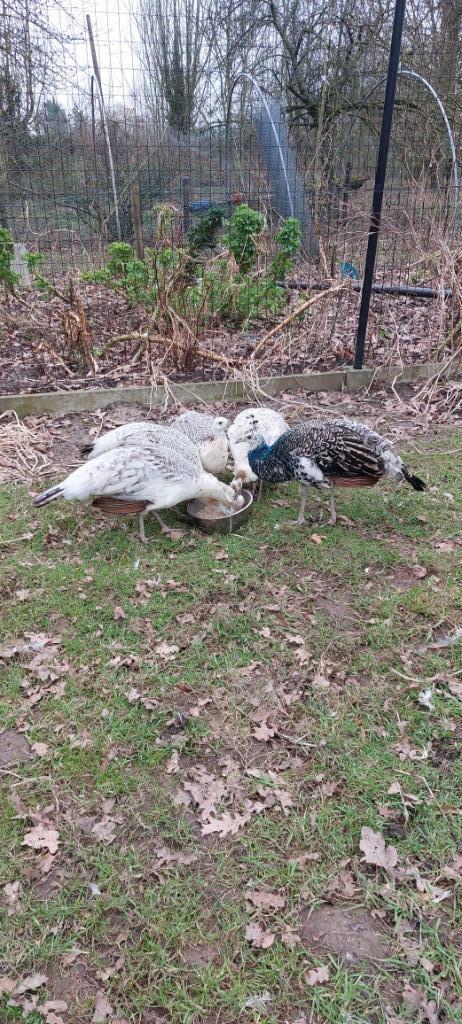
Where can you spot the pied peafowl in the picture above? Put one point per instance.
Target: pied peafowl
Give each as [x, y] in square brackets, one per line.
[249, 424]
[209, 434]
[328, 454]
[144, 476]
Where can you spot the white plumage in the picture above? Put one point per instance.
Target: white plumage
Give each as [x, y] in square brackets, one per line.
[249, 424]
[209, 433]
[136, 434]
[161, 470]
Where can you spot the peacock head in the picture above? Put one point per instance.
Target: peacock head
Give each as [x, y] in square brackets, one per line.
[220, 424]
[259, 450]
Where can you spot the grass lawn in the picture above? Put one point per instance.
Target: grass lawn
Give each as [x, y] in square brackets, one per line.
[196, 734]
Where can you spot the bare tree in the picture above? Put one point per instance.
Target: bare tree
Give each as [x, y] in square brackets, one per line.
[174, 52]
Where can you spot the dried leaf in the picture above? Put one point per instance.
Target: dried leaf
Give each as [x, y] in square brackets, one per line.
[406, 751]
[41, 749]
[172, 766]
[290, 938]
[6, 984]
[30, 984]
[455, 688]
[104, 830]
[258, 937]
[265, 633]
[265, 900]
[318, 976]
[102, 1011]
[454, 868]
[167, 857]
[53, 1004]
[419, 571]
[372, 844]
[263, 731]
[315, 537]
[227, 825]
[42, 838]
[167, 651]
[119, 613]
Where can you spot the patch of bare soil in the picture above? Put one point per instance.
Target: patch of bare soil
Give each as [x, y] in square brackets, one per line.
[200, 954]
[14, 749]
[401, 578]
[74, 983]
[352, 934]
[336, 607]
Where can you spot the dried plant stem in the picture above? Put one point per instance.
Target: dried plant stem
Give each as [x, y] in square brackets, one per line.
[159, 339]
[293, 316]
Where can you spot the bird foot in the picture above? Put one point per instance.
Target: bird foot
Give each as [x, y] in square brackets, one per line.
[172, 534]
[298, 522]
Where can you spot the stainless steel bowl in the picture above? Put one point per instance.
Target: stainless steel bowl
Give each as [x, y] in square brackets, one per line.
[196, 514]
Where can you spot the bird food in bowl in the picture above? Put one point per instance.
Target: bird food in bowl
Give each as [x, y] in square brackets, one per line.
[212, 517]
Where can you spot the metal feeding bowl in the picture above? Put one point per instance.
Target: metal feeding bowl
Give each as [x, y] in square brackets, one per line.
[208, 518]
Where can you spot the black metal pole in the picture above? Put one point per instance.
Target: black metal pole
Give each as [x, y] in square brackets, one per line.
[379, 184]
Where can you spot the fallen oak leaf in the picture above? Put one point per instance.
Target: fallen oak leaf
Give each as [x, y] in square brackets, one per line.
[265, 900]
[263, 732]
[227, 825]
[318, 976]
[258, 937]
[42, 838]
[103, 1009]
[104, 830]
[372, 844]
[41, 749]
[30, 984]
[167, 651]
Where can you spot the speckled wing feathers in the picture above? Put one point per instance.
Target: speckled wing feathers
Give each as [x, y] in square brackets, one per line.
[335, 447]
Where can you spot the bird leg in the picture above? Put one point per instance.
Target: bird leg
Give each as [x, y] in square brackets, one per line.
[301, 512]
[332, 509]
[163, 526]
[143, 537]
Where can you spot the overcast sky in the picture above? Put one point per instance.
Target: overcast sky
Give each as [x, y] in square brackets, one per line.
[116, 38]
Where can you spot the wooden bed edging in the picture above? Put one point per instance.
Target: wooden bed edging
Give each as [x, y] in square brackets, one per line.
[87, 400]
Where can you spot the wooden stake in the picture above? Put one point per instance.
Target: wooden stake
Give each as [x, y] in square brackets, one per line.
[105, 125]
[137, 223]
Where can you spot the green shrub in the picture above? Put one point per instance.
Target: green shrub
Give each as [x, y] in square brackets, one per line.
[8, 277]
[288, 241]
[204, 235]
[244, 230]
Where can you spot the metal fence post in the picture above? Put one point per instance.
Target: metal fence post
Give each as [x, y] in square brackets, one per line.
[379, 184]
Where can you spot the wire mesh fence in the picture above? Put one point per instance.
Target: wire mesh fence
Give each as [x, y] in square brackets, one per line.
[183, 108]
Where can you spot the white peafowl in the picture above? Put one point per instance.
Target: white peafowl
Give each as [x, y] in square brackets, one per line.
[248, 425]
[328, 454]
[209, 433]
[135, 434]
[143, 477]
